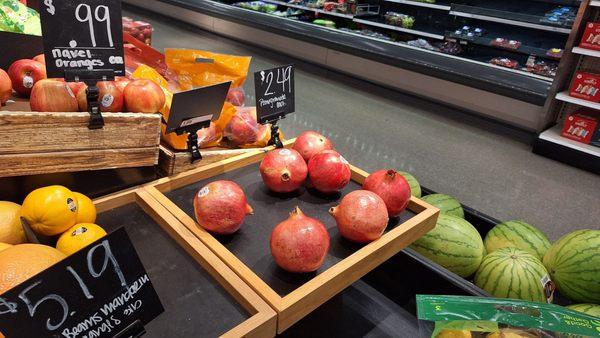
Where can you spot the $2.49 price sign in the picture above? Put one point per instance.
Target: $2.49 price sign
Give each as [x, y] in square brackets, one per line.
[274, 89]
[96, 292]
[83, 36]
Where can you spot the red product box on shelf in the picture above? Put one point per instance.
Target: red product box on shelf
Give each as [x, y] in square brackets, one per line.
[586, 86]
[591, 36]
[582, 125]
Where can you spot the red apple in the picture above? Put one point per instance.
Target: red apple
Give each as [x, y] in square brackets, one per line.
[5, 87]
[24, 74]
[76, 86]
[53, 96]
[40, 58]
[121, 82]
[144, 96]
[110, 99]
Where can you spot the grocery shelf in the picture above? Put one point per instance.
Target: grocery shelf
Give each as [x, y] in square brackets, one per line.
[505, 17]
[552, 145]
[553, 135]
[485, 41]
[585, 51]
[565, 97]
[316, 10]
[515, 84]
[399, 29]
[422, 4]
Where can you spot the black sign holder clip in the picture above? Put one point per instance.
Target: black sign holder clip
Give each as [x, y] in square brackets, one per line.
[91, 78]
[275, 138]
[192, 141]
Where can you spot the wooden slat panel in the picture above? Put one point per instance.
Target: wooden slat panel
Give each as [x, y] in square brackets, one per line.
[68, 161]
[27, 132]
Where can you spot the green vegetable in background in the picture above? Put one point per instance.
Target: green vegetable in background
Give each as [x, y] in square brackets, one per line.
[18, 18]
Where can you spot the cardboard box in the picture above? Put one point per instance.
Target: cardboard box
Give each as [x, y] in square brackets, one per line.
[586, 86]
[581, 125]
[591, 36]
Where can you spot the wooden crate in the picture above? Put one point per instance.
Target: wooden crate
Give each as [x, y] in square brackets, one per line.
[172, 162]
[316, 290]
[43, 142]
[261, 318]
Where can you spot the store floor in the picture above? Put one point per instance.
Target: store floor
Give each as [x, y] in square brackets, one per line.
[485, 165]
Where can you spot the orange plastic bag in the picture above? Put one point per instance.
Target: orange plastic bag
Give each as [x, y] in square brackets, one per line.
[221, 69]
[179, 142]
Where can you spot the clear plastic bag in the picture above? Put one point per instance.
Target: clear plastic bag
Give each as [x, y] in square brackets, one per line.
[479, 317]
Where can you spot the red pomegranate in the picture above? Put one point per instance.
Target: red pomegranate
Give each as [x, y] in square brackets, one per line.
[221, 206]
[392, 188]
[310, 143]
[328, 171]
[300, 243]
[283, 170]
[361, 216]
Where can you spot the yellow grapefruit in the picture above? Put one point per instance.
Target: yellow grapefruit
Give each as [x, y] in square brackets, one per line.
[78, 237]
[86, 210]
[454, 334]
[50, 210]
[11, 230]
[23, 261]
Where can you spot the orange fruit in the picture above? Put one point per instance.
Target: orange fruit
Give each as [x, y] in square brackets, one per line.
[23, 261]
[11, 230]
[4, 246]
[50, 210]
[86, 210]
[78, 237]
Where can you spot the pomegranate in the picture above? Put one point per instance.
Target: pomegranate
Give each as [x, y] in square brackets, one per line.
[283, 170]
[392, 188]
[361, 216]
[242, 128]
[310, 143]
[328, 171]
[221, 206]
[300, 243]
[236, 96]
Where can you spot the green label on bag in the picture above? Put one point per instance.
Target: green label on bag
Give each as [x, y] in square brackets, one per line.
[480, 310]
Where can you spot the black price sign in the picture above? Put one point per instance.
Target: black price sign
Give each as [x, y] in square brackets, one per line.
[83, 38]
[97, 292]
[194, 109]
[274, 93]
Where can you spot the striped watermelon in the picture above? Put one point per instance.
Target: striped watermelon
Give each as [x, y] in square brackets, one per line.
[454, 244]
[415, 187]
[512, 273]
[447, 204]
[574, 265]
[589, 309]
[517, 234]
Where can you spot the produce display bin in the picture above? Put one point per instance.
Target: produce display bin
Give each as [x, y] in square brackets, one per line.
[172, 162]
[47, 142]
[483, 223]
[247, 252]
[202, 297]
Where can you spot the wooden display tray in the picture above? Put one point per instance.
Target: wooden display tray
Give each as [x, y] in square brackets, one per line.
[44, 142]
[293, 296]
[172, 162]
[195, 287]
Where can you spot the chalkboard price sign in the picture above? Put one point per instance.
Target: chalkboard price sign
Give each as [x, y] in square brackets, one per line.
[97, 292]
[274, 90]
[83, 38]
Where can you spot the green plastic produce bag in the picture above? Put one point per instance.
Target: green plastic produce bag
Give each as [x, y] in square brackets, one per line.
[18, 18]
[480, 317]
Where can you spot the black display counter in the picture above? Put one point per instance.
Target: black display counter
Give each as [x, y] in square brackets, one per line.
[477, 75]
